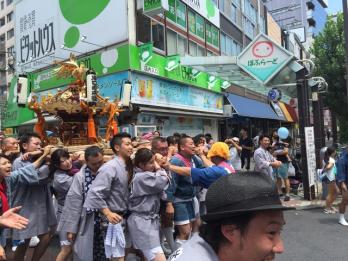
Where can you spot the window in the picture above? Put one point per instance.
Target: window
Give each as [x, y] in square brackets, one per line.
[262, 25]
[182, 45]
[250, 11]
[2, 5]
[8, 2]
[222, 5]
[10, 51]
[2, 38]
[200, 51]
[176, 44]
[249, 28]
[234, 13]
[2, 21]
[236, 2]
[149, 30]
[157, 35]
[10, 17]
[193, 48]
[10, 34]
[171, 42]
[229, 46]
[196, 49]
[223, 42]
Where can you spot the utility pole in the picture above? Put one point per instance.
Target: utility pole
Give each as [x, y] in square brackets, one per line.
[302, 88]
[345, 15]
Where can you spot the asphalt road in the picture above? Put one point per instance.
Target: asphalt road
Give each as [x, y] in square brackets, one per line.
[312, 235]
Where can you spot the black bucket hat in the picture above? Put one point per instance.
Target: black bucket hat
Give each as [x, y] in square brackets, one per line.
[241, 193]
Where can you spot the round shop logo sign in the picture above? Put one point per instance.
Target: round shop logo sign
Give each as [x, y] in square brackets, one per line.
[263, 49]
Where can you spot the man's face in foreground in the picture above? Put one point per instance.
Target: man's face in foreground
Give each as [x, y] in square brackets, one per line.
[260, 241]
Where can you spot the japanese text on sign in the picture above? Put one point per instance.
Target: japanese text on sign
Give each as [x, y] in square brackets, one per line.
[262, 62]
[27, 21]
[38, 43]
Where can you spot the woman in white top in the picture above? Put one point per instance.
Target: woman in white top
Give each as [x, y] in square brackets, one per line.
[329, 173]
[235, 150]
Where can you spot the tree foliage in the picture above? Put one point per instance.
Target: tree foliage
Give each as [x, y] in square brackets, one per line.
[329, 52]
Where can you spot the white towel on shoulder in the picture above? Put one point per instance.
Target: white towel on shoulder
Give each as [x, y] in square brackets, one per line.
[115, 242]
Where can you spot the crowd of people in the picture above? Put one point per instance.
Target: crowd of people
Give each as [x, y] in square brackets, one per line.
[143, 202]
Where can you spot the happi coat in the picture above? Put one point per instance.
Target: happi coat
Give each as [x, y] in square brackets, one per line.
[26, 175]
[74, 219]
[36, 201]
[110, 188]
[147, 189]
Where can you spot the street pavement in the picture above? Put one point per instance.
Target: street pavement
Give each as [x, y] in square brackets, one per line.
[312, 235]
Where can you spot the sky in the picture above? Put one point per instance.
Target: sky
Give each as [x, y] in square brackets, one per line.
[334, 6]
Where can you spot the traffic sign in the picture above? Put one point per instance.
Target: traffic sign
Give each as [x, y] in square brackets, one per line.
[263, 58]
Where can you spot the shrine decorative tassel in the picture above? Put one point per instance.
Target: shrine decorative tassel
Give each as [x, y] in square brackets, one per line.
[92, 135]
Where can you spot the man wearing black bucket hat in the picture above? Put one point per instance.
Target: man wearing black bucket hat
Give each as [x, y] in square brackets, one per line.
[243, 222]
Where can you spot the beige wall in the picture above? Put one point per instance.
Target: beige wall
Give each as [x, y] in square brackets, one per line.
[274, 31]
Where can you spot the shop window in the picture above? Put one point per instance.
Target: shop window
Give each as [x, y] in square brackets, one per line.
[149, 30]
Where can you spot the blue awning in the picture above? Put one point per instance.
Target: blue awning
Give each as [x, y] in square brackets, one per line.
[252, 108]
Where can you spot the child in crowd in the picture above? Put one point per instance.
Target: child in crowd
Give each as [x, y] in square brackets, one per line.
[147, 188]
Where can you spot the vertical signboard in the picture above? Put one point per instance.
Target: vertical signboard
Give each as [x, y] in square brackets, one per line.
[310, 154]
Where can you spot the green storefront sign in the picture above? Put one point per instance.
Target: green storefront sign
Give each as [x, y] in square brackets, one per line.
[182, 74]
[15, 115]
[153, 7]
[123, 58]
[171, 13]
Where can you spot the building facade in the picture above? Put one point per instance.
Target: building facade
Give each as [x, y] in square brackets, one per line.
[306, 18]
[140, 52]
[6, 43]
